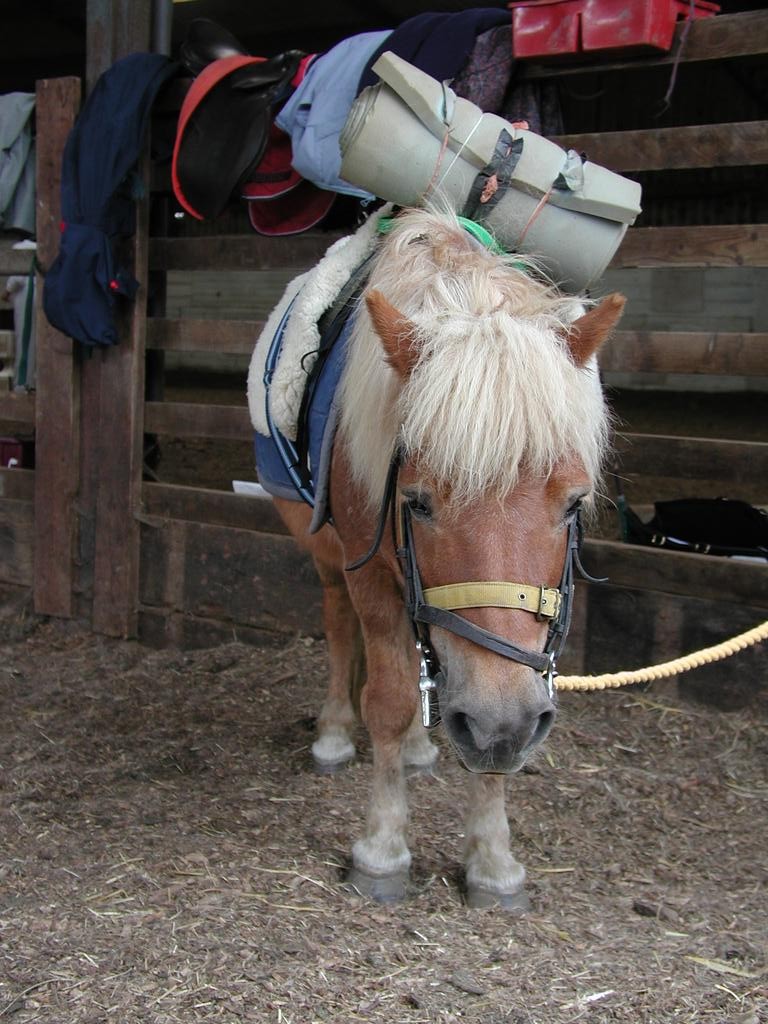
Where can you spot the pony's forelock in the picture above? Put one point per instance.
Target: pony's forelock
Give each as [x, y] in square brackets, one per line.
[494, 392]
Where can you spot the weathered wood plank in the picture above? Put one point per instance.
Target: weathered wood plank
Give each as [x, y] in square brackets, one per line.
[674, 572]
[740, 144]
[239, 252]
[720, 245]
[17, 484]
[16, 543]
[232, 337]
[719, 38]
[13, 261]
[258, 580]
[120, 458]
[654, 627]
[717, 245]
[691, 458]
[17, 407]
[180, 630]
[57, 410]
[723, 353]
[216, 508]
[115, 29]
[112, 387]
[185, 419]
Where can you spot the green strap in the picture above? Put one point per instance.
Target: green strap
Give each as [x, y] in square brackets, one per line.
[483, 235]
[543, 601]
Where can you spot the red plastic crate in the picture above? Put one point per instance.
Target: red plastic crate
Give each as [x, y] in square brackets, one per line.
[546, 28]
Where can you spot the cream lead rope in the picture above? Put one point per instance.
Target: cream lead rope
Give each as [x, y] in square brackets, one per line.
[611, 680]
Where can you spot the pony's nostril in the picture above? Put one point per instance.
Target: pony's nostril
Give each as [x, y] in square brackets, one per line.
[458, 725]
[543, 725]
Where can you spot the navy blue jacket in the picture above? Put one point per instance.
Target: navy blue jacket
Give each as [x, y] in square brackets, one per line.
[98, 191]
[437, 43]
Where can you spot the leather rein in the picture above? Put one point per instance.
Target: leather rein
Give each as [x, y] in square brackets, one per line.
[436, 606]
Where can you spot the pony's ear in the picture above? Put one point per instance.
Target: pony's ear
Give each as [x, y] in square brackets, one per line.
[397, 333]
[588, 333]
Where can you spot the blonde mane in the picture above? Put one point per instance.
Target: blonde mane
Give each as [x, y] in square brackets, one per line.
[494, 391]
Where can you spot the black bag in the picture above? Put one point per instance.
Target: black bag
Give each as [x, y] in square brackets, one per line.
[710, 526]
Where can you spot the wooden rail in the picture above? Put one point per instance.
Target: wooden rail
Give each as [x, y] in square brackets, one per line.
[720, 579]
[187, 419]
[233, 337]
[17, 407]
[741, 144]
[239, 252]
[721, 245]
[673, 572]
[692, 458]
[219, 508]
[16, 542]
[17, 484]
[688, 458]
[13, 261]
[717, 245]
[217, 572]
[726, 353]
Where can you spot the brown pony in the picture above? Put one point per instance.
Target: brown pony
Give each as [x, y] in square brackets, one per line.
[472, 421]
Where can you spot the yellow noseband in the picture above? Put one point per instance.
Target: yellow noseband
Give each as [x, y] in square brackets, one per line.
[542, 601]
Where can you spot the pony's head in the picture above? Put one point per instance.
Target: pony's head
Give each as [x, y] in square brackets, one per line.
[484, 377]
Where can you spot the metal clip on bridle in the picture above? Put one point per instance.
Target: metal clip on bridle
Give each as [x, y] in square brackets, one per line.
[430, 712]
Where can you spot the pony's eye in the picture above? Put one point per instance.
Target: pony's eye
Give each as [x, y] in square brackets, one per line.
[575, 508]
[419, 506]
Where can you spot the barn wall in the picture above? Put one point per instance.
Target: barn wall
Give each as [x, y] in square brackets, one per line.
[672, 299]
[691, 299]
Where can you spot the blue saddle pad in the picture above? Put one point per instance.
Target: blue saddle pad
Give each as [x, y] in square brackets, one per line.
[321, 420]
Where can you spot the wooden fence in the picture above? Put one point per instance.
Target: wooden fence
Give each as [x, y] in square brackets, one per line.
[185, 565]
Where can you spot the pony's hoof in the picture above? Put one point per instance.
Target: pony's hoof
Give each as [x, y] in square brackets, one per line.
[515, 903]
[331, 767]
[381, 888]
[330, 754]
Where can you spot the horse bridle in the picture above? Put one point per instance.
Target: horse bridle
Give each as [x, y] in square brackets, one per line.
[436, 606]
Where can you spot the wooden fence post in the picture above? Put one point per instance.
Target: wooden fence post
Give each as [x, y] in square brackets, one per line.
[112, 383]
[119, 457]
[57, 406]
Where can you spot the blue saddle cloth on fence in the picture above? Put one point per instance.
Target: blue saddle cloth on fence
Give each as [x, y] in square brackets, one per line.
[321, 413]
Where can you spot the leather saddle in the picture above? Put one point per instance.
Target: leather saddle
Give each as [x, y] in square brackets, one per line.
[225, 120]
[206, 42]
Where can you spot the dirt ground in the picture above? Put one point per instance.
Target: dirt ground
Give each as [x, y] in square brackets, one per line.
[169, 855]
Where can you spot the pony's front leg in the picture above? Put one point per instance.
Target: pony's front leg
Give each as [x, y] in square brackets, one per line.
[334, 746]
[493, 876]
[419, 752]
[381, 858]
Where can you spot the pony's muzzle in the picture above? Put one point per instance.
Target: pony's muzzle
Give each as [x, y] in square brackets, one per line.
[491, 740]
